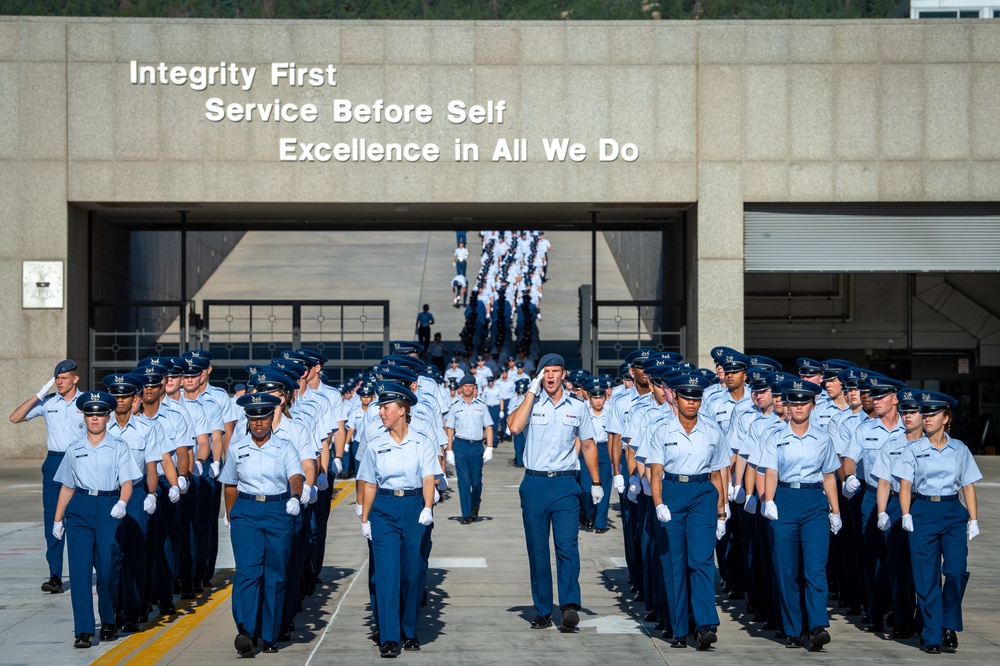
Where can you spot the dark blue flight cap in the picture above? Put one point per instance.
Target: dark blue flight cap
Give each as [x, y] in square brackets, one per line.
[625, 370]
[595, 387]
[469, 379]
[317, 357]
[147, 361]
[199, 353]
[240, 387]
[290, 368]
[551, 360]
[654, 360]
[395, 373]
[96, 402]
[366, 390]
[757, 377]
[272, 379]
[849, 378]
[798, 391]
[194, 366]
[69, 365]
[149, 375]
[758, 360]
[880, 385]
[392, 392]
[258, 405]
[411, 362]
[689, 386]
[932, 402]
[909, 400]
[834, 366]
[404, 347]
[675, 357]
[774, 380]
[294, 356]
[719, 352]
[809, 367]
[123, 384]
[732, 362]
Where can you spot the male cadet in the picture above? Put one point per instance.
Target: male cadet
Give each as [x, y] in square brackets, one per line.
[454, 371]
[834, 391]
[550, 490]
[64, 424]
[506, 387]
[469, 425]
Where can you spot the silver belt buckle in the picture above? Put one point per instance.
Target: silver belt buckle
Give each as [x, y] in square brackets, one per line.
[398, 492]
[683, 478]
[551, 474]
[93, 492]
[260, 498]
[935, 498]
[794, 485]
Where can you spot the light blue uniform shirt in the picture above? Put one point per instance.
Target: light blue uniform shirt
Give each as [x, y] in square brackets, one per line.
[469, 419]
[886, 459]
[552, 431]
[263, 470]
[293, 432]
[799, 459]
[739, 424]
[634, 422]
[146, 440]
[194, 411]
[490, 395]
[702, 451]
[63, 421]
[107, 466]
[934, 472]
[722, 407]
[868, 440]
[597, 420]
[842, 427]
[211, 409]
[650, 420]
[825, 411]
[759, 430]
[230, 411]
[400, 466]
[618, 409]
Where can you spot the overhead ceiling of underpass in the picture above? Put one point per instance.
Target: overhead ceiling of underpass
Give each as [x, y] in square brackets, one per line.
[386, 216]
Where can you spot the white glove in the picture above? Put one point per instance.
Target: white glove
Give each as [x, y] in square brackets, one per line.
[449, 457]
[183, 484]
[437, 496]
[426, 517]
[501, 414]
[366, 530]
[313, 495]
[835, 523]
[214, 469]
[663, 513]
[44, 391]
[596, 494]
[536, 383]
[633, 488]
[292, 506]
[149, 504]
[731, 492]
[306, 494]
[720, 528]
[741, 495]
[357, 510]
[508, 431]
[487, 454]
[59, 529]
[619, 483]
[199, 469]
[751, 504]
[973, 529]
[646, 488]
[225, 519]
[174, 494]
[323, 481]
[729, 512]
[338, 465]
[884, 521]
[851, 486]
[770, 511]
[347, 447]
[118, 510]
[907, 522]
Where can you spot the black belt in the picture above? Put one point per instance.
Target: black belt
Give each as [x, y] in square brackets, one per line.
[57, 454]
[265, 498]
[469, 441]
[937, 498]
[550, 474]
[796, 485]
[401, 492]
[96, 493]
[687, 478]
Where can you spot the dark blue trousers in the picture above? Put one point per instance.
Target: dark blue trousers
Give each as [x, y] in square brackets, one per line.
[873, 559]
[321, 519]
[92, 544]
[552, 504]
[131, 534]
[50, 497]
[898, 570]
[519, 442]
[801, 545]
[165, 547]
[596, 512]
[187, 547]
[398, 543]
[207, 521]
[633, 558]
[939, 533]
[261, 533]
[688, 567]
[645, 517]
[293, 573]
[469, 469]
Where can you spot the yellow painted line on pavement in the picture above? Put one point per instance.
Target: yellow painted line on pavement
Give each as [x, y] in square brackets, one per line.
[168, 633]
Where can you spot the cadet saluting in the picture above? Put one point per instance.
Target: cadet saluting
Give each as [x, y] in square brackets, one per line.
[550, 490]
[96, 474]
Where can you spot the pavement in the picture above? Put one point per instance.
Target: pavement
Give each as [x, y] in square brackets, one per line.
[480, 600]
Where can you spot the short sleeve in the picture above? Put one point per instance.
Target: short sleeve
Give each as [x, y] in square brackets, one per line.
[38, 409]
[487, 419]
[882, 469]
[64, 474]
[293, 463]
[722, 451]
[769, 453]
[905, 467]
[366, 470]
[970, 470]
[831, 463]
[128, 471]
[853, 448]
[228, 474]
[585, 429]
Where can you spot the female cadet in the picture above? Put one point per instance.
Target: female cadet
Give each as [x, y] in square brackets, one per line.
[96, 474]
[398, 469]
[597, 514]
[685, 456]
[263, 483]
[800, 464]
[935, 468]
[365, 393]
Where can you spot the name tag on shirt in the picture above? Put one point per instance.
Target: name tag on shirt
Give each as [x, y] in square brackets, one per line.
[384, 450]
[782, 444]
[82, 455]
[245, 455]
[923, 455]
[871, 439]
[52, 411]
[670, 444]
[539, 418]
[894, 453]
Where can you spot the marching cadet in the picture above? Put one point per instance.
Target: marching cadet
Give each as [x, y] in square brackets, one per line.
[469, 427]
[549, 489]
[686, 456]
[507, 390]
[399, 469]
[262, 479]
[366, 394]
[520, 390]
[935, 468]
[597, 515]
[96, 474]
[63, 424]
[800, 500]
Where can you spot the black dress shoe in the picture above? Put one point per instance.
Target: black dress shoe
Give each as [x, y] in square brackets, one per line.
[167, 609]
[817, 638]
[950, 639]
[285, 637]
[649, 617]
[475, 513]
[681, 642]
[466, 521]
[705, 636]
[932, 649]
[667, 634]
[374, 637]
[600, 530]
[411, 644]
[188, 594]
[243, 643]
[570, 618]
[890, 618]
[82, 640]
[389, 650]
[780, 635]
[542, 622]
[207, 584]
[130, 627]
[902, 633]
[53, 585]
[660, 625]
[875, 629]
[793, 642]
[109, 632]
[270, 647]
[865, 618]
